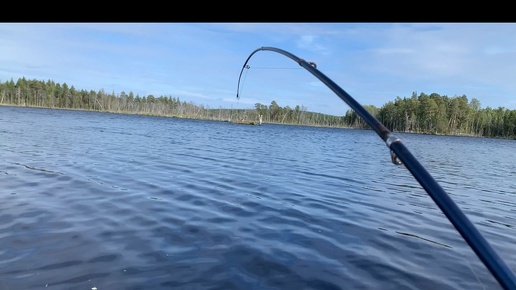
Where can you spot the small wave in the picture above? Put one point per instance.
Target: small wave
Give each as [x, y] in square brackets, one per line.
[424, 239]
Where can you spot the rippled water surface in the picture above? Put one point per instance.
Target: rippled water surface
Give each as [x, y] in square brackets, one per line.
[136, 202]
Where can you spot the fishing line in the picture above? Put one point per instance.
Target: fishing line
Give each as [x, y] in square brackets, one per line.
[254, 67]
[247, 67]
[474, 273]
[265, 68]
[400, 155]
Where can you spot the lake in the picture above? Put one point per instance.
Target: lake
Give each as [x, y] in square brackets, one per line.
[115, 201]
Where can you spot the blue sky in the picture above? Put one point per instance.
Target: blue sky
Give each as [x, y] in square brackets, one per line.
[201, 62]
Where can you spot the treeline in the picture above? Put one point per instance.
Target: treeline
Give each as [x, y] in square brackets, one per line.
[429, 114]
[436, 114]
[49, 94]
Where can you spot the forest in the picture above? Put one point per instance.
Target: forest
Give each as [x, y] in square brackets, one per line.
[424, 114]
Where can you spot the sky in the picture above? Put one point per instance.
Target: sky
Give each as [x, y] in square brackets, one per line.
[201, 62]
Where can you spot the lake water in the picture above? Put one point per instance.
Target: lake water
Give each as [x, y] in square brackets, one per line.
[117, 201]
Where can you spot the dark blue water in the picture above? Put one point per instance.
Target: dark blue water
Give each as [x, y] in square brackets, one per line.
[136, 202]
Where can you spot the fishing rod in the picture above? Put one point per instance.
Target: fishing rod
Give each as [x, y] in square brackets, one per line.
[401, 155]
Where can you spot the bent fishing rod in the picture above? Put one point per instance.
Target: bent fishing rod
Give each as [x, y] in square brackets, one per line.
[401, 155]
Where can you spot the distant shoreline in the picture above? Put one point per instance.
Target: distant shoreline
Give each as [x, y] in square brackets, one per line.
[248, 123]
